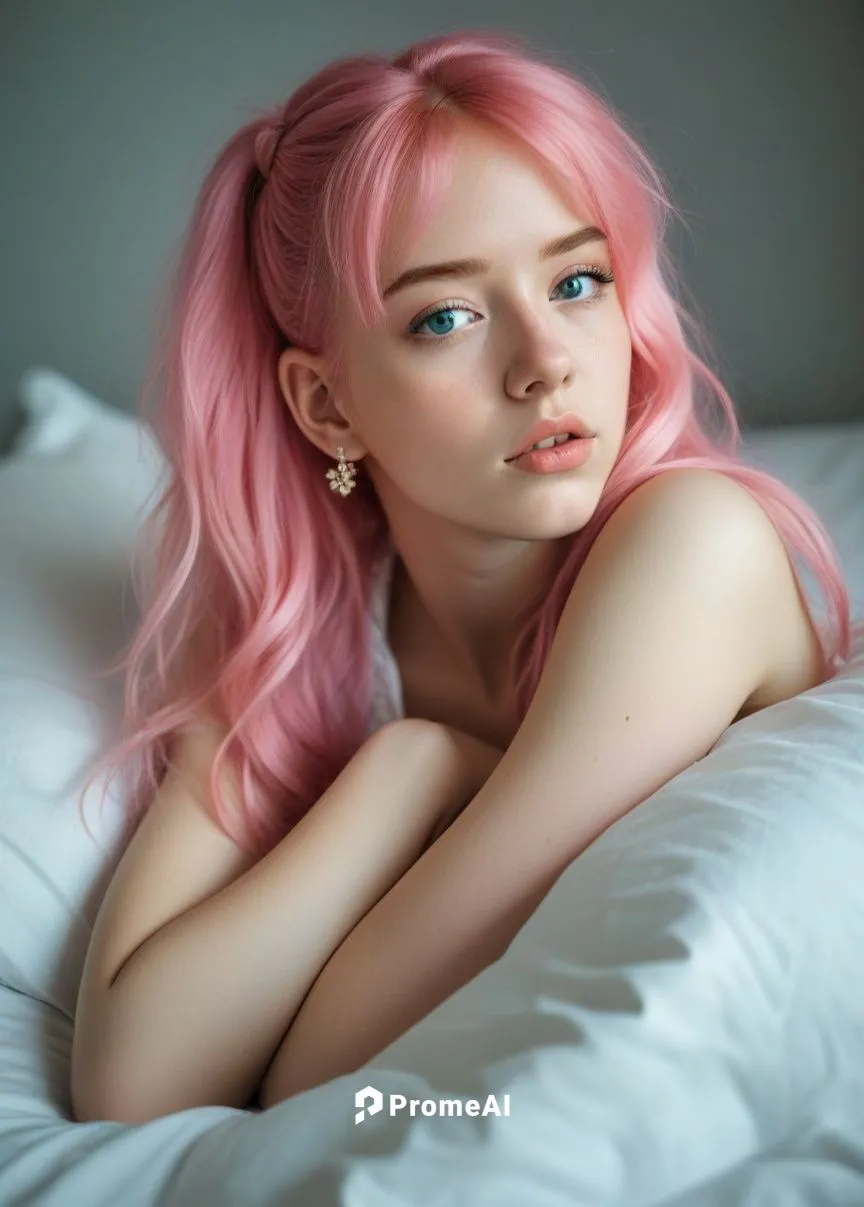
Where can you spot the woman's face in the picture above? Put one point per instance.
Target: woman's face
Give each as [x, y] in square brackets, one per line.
[439, 400]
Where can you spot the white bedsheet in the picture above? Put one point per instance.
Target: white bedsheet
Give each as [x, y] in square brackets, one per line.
[681, 1022]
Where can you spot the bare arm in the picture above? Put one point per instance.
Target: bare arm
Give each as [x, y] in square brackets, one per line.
[194, 1014]
[667, 631]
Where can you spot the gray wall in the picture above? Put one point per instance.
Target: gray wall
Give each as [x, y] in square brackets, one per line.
[111, 110]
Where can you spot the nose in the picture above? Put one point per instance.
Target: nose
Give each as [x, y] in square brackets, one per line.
[544, 366]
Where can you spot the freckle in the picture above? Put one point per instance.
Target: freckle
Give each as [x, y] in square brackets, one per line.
[627, 718]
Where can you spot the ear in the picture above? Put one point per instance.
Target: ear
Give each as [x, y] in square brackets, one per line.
[304, 382]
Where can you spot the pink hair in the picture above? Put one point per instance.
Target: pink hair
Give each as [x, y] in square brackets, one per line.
[258, 604]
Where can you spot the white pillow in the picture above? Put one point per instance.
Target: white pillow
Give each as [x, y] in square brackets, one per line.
[73, 493]
[74, 490]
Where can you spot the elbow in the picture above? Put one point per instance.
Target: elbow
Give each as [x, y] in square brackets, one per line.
[95, 1103]
[117, 1077]
[108, 1096]
[107, 1101]
[104, 1095]
[107, 1082]
[88, 1091]
[89, 1109]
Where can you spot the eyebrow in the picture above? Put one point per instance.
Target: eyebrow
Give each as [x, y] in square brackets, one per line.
[473, 268]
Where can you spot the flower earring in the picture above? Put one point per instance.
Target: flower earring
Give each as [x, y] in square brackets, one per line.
[341, 479]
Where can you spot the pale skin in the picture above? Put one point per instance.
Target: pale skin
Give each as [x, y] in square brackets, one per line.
[426, 855]
[686, 613]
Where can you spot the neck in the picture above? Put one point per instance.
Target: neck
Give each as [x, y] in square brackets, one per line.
[471, 605]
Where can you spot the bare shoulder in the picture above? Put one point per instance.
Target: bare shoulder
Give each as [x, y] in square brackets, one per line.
[681, 616]
[685, 502]
[690, 495]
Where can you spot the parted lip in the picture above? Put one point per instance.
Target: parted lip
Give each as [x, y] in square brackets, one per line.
[552, 427]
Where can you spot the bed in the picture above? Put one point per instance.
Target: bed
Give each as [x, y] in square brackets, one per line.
[681, 1021]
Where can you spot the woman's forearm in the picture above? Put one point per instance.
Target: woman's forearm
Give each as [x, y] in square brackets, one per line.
[369, 994]
[452, 914]
[194, 1016]
[402, 960]
[371, 991]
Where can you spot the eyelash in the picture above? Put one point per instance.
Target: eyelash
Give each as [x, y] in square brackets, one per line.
[600, 275]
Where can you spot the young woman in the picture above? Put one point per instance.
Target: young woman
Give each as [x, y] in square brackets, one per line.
[391, 288]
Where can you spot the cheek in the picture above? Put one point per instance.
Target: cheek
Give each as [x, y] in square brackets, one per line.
[412, 418]
[436, 419]
[425, 398]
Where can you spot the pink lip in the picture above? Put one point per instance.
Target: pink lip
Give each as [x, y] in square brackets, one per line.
[571, 422]
[556, 459]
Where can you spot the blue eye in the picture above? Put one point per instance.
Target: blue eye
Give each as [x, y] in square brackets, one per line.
[441, 332]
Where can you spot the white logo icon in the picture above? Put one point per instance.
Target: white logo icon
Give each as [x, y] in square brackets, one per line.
[367, 1095]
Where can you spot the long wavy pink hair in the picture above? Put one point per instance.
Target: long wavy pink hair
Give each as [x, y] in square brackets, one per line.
[256, 603]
